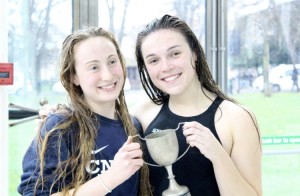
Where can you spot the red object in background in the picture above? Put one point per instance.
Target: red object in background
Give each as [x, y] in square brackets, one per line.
[6, 73]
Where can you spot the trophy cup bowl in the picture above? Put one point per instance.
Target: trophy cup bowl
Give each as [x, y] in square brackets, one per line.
[164, 148]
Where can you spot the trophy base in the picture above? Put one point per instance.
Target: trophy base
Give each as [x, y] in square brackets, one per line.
[179, 191]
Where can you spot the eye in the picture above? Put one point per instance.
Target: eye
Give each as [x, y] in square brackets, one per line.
[93, 67]
[113, 61]
[175, 54]
[152, 61]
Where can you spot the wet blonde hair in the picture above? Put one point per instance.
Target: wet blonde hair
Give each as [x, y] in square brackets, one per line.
[79, 114]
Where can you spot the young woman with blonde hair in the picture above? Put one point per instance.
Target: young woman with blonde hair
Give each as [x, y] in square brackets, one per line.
[86, 148]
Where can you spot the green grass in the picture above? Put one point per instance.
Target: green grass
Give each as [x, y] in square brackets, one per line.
[278, 115]
[20, 137]
[281, 175]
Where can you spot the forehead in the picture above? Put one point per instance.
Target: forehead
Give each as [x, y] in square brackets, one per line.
[98, 44]
[162, 39]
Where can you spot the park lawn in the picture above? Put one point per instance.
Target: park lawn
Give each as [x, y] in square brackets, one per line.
[20, 137]
[277, 116]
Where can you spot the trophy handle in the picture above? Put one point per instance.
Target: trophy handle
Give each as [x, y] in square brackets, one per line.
[187, 147]
[154, 165]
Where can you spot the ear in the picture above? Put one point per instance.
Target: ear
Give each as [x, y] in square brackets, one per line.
[194, 56]
[194, 59]
[75, 80]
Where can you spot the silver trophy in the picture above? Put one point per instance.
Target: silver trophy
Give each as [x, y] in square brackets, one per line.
[164, 148]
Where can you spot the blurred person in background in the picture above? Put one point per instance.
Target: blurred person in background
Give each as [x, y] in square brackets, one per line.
[295, 78]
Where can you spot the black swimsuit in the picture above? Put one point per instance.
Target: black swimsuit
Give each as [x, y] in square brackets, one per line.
[193, 170]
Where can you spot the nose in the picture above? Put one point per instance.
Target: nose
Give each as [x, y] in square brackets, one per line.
[106, 74]
[166, 65]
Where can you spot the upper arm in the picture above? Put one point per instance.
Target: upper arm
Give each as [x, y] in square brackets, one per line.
[246, 148]
[246, 137]
[31, 162]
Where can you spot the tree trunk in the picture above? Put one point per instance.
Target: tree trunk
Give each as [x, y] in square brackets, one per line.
[266, 66]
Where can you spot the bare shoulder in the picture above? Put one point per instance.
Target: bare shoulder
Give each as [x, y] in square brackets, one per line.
[141, 107]
[236, 111]
[145, 112]
[239, 119]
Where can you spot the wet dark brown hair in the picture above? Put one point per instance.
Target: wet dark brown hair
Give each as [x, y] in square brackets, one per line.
[168, 22]
[176, 24]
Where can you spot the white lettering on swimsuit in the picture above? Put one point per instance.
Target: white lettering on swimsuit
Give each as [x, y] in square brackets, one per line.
[90, 168]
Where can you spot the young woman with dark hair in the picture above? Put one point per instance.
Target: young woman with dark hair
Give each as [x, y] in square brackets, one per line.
[225, 154]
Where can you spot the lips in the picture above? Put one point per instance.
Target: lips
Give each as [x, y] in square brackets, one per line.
[171, 78]
[108, 86]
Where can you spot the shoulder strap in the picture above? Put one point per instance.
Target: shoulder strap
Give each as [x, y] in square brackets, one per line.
[216, 103]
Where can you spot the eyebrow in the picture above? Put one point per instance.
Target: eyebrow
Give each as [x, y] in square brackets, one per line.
[96, 61]
[172, 47]
[92, 61]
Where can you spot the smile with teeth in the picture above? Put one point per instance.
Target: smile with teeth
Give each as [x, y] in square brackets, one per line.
[110, 86]
[171, 78]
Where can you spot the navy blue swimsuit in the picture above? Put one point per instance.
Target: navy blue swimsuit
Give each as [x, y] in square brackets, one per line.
[111, 136]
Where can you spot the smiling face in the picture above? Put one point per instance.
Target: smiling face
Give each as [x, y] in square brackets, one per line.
[169, 61]
[99, 71]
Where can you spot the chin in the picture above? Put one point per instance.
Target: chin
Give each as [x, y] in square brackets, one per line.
[108, 99]
[176, 90]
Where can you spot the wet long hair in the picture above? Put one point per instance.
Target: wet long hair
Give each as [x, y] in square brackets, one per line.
[201, 67]
[78, 113]
[168, 22]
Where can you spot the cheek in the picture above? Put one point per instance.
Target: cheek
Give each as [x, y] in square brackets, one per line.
[118, 71]
[152, 71]
[86, 79]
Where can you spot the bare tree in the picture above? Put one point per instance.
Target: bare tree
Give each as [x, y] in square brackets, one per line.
[279, 34]
[286, 35]
[111, 12]
[36, 23]
[190, 11]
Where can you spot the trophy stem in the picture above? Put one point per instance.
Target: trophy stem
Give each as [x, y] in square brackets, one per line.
[174, 188]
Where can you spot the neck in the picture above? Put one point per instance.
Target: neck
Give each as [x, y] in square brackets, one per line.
[107, 110]
[191, 104]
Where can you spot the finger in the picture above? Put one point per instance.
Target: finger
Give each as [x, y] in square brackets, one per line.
[191, 131]
[131, 147]
[135, 162]
[129, 140]
[188, 125]
[45, 110]
[42, 113]
[192, 124]
[193, 137]
[136, 154]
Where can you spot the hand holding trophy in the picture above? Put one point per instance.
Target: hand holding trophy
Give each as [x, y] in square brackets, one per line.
[164, 148]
